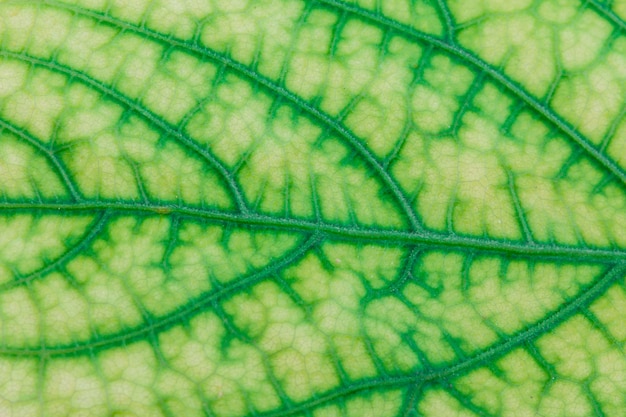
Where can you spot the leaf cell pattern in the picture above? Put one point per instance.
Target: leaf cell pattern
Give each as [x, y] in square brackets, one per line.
[312, 208]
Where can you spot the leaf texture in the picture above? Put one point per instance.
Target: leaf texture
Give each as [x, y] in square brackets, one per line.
[312, 208]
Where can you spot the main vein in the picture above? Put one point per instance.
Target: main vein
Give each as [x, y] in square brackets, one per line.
[427, 238]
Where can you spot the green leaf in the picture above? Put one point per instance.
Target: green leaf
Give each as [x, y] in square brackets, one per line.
[312, 208]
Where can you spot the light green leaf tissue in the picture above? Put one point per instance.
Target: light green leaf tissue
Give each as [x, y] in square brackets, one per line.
[316, 208]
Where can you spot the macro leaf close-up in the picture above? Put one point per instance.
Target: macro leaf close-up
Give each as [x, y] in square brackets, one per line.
[316, 208]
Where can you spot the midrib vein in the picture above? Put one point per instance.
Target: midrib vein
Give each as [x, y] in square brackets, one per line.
[428, 239]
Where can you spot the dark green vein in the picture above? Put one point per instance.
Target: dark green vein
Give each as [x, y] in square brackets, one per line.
[468, 57]
[151, 118]
[441, 374]
[577, 305]
[361, 234]
[48, 153]
[183, 314]
[92, 232]
[446, 16]
[607, 13]
[519, 209]
[270, 86]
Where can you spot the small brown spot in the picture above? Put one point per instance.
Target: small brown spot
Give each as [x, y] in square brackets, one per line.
[162, 210]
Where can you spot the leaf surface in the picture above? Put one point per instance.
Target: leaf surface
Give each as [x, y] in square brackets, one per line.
[312, 208]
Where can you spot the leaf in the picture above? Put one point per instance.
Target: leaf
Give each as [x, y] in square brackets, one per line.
[312, 208]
